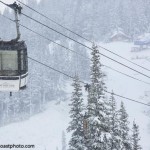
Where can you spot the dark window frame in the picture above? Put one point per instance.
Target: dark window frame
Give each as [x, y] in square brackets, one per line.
[22, 61]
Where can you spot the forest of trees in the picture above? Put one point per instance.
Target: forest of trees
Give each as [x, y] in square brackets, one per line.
[97, 19]
[93, 19]
[99, 125]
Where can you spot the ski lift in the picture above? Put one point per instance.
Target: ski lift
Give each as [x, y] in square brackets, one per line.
[13, 60]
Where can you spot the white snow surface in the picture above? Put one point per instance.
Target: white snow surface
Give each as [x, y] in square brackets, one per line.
[45, 129]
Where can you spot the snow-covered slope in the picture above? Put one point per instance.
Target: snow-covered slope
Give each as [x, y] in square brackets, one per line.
[45, 130]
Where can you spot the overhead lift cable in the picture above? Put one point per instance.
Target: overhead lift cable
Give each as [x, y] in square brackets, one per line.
[43, 64]
[129, 99]
[82, 44]
[52, 68]
[126, 75]
[85, 46]
[81, 35]
[76, 52]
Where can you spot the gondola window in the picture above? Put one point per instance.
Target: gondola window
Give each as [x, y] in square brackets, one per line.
[8, 62]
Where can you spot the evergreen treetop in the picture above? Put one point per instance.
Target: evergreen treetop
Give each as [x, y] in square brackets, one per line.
[135, 137]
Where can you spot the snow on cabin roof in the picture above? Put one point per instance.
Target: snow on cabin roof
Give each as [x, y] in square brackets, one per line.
[116, 33]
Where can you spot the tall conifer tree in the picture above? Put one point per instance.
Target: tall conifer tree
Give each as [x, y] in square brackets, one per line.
[124, 129]
[97, 115]
[114, 124]
[135, 137]
[76, 114]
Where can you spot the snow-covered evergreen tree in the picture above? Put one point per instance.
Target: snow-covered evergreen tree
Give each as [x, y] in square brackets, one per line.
[76, 114]
[135, 137]
[114, 124]
[124, 128]
[97, 114]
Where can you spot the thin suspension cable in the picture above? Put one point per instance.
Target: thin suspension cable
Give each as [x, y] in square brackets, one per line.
[77, 52]
[85, 46]
[85, 83]
[3, 3]
[81, 36]
[82, 44]
[51, 68]
[124, 58]
[43, 64]
[45, 37]
[126, 75]
[127, 98]
[53, 21]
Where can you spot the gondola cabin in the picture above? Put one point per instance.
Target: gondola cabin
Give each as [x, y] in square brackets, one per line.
[13, 65]
[13, 59]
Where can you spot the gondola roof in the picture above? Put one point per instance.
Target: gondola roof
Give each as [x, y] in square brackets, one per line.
[12, 45]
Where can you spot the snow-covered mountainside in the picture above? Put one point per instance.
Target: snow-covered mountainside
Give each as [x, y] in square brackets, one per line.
[45, 129]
